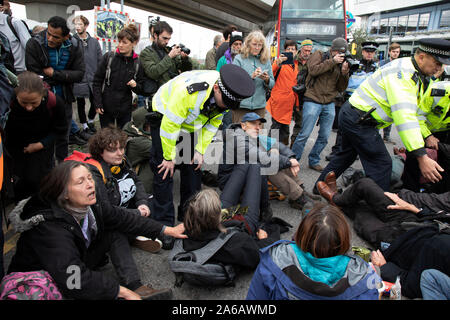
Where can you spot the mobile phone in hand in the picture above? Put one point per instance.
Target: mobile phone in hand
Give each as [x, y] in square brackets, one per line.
[290, 58]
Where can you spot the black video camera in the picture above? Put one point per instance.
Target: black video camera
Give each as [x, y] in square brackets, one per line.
[353, 64]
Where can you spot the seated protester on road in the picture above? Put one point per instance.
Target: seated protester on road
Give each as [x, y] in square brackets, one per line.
[113, 94]
[122, 187]
[138, 145]
[382, 216]
[434, 111]
[245, 153]
[68, 224]
[36, 120]
[420, 249]
[286, 177]
[316, 266]
[203, 224]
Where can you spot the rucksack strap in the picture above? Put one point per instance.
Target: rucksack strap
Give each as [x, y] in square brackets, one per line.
[13, 30]
[205, 253]
[111, 55]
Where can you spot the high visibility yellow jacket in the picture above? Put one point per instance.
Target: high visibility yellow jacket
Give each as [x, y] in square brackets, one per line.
[434, 108]
[394, 91]
[181, 110]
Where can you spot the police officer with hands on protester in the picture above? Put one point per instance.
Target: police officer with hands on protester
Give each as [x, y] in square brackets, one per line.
[194, 102]
[390, 95]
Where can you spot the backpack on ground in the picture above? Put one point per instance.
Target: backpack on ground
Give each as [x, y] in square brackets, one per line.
[86, 158]
[33, 285]
[194, 268]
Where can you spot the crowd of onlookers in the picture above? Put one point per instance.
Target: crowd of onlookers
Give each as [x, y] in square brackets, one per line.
[87, 207]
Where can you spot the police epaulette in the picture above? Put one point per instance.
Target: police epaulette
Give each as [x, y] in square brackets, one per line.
[199, 86]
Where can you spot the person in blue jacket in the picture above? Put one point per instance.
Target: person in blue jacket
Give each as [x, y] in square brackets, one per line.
[316, 266]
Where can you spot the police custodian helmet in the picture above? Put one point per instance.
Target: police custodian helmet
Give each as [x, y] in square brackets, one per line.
[235, 84]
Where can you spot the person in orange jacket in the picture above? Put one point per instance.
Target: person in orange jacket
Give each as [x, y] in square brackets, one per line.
[283, 99]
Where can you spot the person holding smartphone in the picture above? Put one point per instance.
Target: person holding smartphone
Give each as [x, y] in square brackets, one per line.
[283, 99]
[255, 59]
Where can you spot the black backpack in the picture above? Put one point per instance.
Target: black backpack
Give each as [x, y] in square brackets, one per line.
[194, 268]
[7, 57]
[149, 86]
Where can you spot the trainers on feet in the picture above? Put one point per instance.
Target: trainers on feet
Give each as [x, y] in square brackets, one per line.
[316, 167]
[147, 244]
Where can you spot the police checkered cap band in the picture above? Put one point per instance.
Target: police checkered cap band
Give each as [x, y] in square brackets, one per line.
[434, 50]
[225, 91]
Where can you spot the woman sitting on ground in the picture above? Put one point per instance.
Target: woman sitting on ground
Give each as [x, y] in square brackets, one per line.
[203, 224]
[316, 266]
[122, 187]
[67, 229]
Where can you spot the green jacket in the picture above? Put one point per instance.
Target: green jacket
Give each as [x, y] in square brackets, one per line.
[162, 70]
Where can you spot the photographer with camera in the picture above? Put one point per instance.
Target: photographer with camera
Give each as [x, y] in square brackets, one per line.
[328, 74]
[161, 62]
[359, 71]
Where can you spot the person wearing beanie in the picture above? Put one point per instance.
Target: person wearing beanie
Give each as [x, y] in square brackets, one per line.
[328, 75]
[195, 102]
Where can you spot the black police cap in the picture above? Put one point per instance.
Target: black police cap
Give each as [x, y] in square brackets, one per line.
[369, 45]
[235, 84]
[438, 48]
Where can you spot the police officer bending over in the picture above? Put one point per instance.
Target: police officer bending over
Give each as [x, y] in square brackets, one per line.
[390, 95]
[194, 102]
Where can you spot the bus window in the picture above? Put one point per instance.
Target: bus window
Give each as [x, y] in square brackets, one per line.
[322, 9]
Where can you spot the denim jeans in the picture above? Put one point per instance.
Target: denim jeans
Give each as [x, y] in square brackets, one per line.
[74, 127]
[435, 285]
[311, 112]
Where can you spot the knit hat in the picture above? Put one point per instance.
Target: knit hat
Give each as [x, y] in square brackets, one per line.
[306, 42]
[235, 36]
[339, 44]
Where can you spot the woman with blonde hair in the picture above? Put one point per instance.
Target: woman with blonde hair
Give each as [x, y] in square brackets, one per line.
[203, 224]
[255, 59]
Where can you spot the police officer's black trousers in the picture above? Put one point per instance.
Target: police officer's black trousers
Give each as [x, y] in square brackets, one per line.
[362, 140]
[191, 180]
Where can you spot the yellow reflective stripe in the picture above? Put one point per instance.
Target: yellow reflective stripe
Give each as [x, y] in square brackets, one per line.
[404, 106]
[211, 128]
[201, 96]
[407, 126]
[168, 135]
[173, 117]
[372, 103]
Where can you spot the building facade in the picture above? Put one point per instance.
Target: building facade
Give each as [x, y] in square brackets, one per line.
[403, 21]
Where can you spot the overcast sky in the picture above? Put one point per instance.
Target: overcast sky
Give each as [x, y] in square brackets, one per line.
[196, 38]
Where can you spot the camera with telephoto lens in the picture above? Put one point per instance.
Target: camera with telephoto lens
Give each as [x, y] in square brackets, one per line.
[353, 64]
[184, 49]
